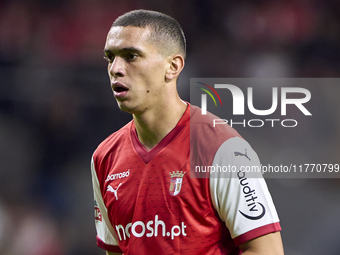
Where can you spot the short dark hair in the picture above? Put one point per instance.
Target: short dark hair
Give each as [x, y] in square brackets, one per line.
[164, 28]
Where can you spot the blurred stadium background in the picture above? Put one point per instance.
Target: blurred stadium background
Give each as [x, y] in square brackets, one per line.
[56, 106]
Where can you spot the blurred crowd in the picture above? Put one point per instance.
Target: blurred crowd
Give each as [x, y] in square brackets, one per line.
[56, 104]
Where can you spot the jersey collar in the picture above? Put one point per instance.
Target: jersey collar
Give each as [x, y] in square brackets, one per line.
[146, 155]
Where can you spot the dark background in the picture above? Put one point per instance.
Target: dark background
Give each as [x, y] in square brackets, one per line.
[56, 106]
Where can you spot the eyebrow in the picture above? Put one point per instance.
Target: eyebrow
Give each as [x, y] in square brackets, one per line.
[124, 50]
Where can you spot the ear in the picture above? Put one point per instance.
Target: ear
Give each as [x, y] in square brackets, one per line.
[176, 66]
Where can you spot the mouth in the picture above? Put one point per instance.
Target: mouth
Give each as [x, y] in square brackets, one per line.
[119, 89]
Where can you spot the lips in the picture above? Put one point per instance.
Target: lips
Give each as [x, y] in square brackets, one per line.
[119, 89]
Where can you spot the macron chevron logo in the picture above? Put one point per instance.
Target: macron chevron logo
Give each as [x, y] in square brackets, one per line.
[204, 97]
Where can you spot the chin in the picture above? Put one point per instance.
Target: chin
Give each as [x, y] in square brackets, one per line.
[124, 107]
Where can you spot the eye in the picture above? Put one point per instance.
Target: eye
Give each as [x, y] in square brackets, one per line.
[109, 58]
[131, 56]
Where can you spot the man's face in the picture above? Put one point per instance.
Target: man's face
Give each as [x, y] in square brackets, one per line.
[136, 68]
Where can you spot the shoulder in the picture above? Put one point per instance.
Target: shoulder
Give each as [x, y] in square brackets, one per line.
[205, 133]
[113, 141]
[210, 123]
[206, 138]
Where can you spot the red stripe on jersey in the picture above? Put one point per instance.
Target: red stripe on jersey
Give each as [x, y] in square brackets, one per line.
[267, 229]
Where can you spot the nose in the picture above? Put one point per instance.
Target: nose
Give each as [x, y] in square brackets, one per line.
[116, 67]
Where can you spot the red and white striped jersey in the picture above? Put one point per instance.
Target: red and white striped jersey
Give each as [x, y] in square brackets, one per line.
[149, 202]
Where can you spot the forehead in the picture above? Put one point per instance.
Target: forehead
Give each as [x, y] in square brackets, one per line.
[127, 37]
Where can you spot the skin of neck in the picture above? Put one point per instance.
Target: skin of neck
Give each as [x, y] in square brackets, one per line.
[156, 122]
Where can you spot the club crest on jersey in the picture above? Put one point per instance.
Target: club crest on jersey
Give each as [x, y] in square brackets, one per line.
[176, 179]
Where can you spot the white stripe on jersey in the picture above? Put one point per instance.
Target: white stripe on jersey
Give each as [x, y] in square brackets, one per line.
[104, 228]
[241, 198]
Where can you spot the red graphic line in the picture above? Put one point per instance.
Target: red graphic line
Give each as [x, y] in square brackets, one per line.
[218, 96]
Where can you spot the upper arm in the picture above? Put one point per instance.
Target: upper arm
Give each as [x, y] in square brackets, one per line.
[241, 198]
[106, 235]
[267, 244]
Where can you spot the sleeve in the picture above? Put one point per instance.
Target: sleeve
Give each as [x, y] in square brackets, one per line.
[106, 236]
[239, 192]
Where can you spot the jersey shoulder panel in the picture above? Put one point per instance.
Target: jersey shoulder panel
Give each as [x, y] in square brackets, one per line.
[196, 118]
[239, 192]
[109, 149]
[202, 128]
[112, 141]
[205, 138]
[106, 237]
[102, 159]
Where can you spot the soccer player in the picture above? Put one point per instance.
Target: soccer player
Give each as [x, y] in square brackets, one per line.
[146, 201]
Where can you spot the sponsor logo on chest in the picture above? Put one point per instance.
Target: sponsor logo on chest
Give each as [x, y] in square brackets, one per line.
[112, 177]
[150, 229]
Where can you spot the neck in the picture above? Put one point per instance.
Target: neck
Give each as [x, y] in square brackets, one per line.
[154, 124]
